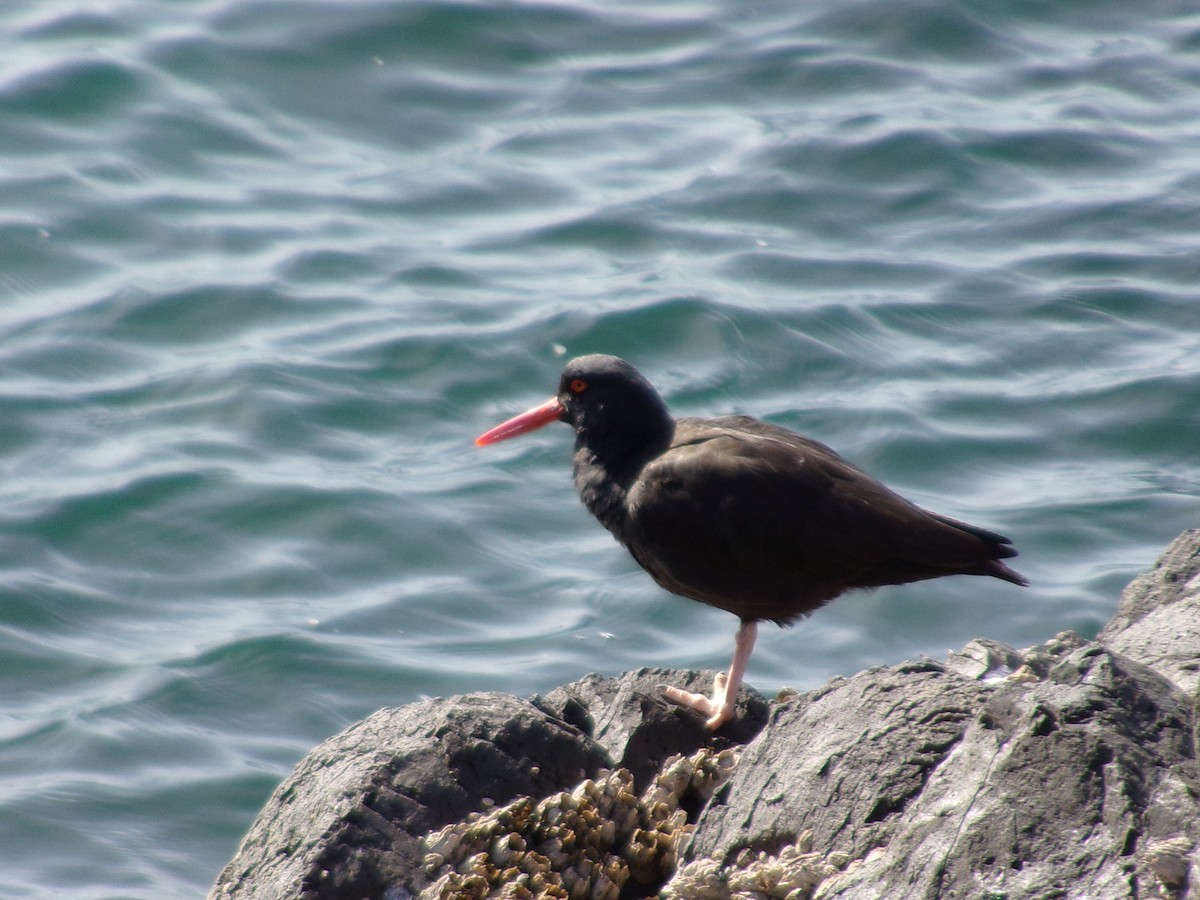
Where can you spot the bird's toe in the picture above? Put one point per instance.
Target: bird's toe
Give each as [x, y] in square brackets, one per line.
[717, 709]
[698, 702]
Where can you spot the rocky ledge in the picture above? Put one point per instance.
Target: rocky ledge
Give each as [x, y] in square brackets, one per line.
[1063, 770]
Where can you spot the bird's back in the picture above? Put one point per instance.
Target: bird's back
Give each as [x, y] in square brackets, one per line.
[767, 524]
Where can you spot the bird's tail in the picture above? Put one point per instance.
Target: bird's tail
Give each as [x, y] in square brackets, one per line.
[997, 569]
[998, 547]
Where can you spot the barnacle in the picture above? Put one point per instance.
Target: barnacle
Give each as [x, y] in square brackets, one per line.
[583, 844]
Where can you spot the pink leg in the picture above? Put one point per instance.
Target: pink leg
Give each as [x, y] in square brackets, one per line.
[720, 707]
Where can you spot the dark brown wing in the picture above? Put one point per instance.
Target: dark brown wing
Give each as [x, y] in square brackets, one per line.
[767, 524]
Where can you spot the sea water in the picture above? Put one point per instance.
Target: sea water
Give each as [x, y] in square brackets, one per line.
[267, 268]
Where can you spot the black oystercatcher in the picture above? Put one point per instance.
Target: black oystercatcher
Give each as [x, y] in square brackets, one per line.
[740, 514]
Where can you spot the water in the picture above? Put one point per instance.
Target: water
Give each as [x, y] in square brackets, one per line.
[268, 267]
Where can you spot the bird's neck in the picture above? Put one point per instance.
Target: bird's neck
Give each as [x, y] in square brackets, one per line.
[622, 445]
[608, 463]
[603, 495]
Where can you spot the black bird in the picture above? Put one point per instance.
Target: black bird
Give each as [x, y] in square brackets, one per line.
[740, 514]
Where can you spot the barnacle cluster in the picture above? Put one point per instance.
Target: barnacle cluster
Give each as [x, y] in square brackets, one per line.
[587, 843]
[794, 873]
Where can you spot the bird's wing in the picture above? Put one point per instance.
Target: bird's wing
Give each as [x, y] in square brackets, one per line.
[740, 509]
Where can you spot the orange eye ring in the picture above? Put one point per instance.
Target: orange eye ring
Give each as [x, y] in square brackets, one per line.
[578, 386]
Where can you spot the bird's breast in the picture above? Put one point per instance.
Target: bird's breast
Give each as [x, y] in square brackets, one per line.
[603, 496]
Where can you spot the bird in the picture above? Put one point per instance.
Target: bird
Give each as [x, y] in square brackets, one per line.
[742, 514]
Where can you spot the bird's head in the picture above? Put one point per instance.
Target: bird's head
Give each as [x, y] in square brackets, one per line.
[614, 410]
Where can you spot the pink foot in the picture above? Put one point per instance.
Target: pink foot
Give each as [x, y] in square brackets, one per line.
[721, 705]
[718, 709]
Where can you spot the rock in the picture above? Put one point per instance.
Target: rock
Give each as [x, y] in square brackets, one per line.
[349, 820]
[1158, 619]
[1068, 770]
[629, 719]
[966, 788]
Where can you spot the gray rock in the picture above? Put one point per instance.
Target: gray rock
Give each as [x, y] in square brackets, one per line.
[347, 821]
[637, 728]
[1158, 619]
[944, 786]
[1064, 770]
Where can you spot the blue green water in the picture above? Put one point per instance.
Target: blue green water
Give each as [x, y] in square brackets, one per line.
[268, 266]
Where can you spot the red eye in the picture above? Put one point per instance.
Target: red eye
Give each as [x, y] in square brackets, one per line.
[578, 386]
